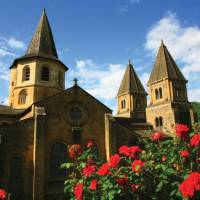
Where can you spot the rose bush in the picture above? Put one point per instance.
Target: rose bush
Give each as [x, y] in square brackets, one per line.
[167, 168]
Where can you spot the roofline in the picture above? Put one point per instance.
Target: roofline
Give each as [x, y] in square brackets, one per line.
[37, 57]
[47, 98]
[160, 80]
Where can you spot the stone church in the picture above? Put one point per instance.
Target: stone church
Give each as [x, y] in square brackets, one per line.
[43, 117]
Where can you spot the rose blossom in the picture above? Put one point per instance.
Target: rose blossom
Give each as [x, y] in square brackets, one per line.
[89, 170]
[78, 191]
[184, 153]
[93, 184]
[103, 170]
[2, 194]
[195, 140]
[114, 160]
[157, 136]
[137, 165]
[190, 185]
[182, 131]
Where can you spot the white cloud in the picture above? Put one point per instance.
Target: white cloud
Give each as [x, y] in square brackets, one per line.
[194, 94]
[182, 41]
[15, 44]
[124, 8]
[4, 52]
[101, 81]
[4, 73]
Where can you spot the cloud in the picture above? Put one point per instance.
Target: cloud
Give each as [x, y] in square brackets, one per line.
[15, 44]
[194, 94]
[124, 8]
[101, 80]
[4, 52]
[4, 73]
[183, 43]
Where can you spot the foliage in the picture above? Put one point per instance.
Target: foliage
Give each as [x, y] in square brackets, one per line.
[165, 169]
[196, 106]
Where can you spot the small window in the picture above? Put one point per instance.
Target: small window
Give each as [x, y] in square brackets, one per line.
[45, 74]
[160, 93]
[157, 122]
[160, 121]
[123, 104]
[22, 97]
[156, 94]
[26, 73]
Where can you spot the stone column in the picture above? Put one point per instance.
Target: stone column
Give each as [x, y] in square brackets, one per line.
[38, 153]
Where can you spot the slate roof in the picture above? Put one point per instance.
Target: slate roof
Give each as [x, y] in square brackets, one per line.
[42, 43]
[130, 82]
[165, 67]
[7, 110]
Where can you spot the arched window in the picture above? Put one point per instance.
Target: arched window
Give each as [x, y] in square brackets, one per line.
[123, 104]
[160, 93]
[22, 97]
[156, 94]
[45, 74]
[157, 122]
[16, 177]
[160, 121]
[26, 73]
[60, 79]
[57, 157]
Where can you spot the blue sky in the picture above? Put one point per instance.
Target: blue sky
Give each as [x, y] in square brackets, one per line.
[96, 38]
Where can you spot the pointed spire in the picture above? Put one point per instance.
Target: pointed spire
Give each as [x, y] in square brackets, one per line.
[130, 82]
[42, 43]
[165, 67]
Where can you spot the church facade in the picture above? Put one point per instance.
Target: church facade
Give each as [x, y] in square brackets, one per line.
[43, 117]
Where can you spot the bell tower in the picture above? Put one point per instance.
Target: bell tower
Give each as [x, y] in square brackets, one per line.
[168, 94]
[39, 73]
[131, 97]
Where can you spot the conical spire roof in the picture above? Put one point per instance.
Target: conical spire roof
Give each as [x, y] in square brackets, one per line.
[42, 43]
[130, 82]
[165, 67]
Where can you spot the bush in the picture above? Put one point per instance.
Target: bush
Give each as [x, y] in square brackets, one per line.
[165, 169]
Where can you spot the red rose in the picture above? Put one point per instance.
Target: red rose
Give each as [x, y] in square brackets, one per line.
[184, 153]
[137, 165]
[134, 187]
[190, 185]
[122, 181]
[2, 194]
[75, 150]
[103, 170]
[89, 170]
[124, 150]
[90, 144]
[157, 136]
[93, 184]
[78, 191]
[134, 151]
[195, 140]
[182, 131]
[164, 158]
[114, 160]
